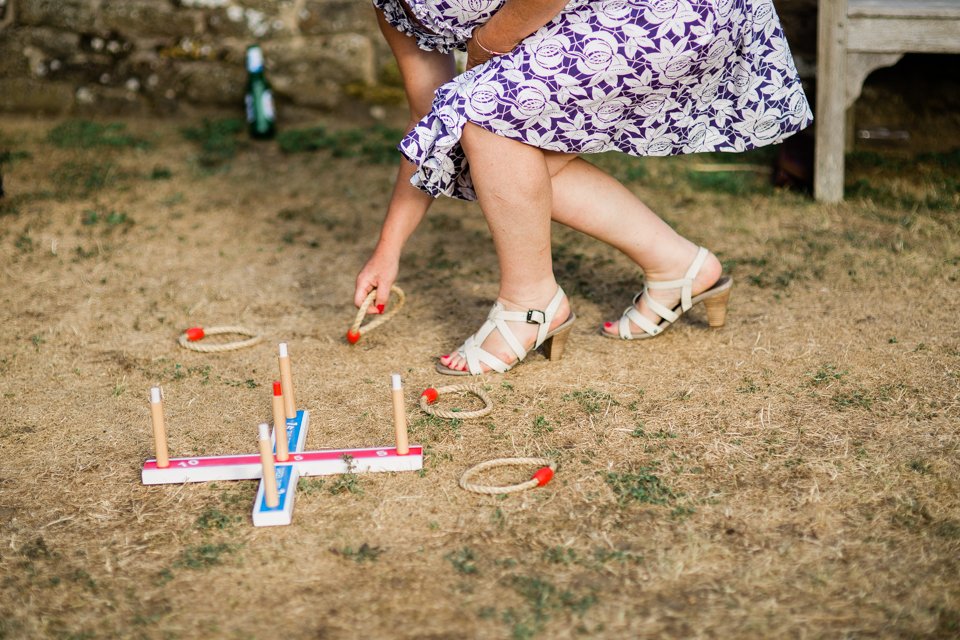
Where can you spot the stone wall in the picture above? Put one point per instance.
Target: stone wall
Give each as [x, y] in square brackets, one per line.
[150, 57]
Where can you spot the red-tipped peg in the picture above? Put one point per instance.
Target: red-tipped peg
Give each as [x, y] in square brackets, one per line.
[431, 395]
[195, 333]
[543, 476]
[277, 388]
[353, 336]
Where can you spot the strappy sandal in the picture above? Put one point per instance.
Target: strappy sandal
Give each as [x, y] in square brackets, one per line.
[715, 300]
[553, 342]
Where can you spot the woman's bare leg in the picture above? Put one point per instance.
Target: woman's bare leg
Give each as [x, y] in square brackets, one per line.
[589, 200]
[514, 190]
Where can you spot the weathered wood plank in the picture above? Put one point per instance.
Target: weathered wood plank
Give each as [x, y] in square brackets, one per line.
[904, 8]
[897, 35]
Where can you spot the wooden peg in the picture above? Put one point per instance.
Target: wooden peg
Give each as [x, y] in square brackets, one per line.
[280, 424]
[399, 416]
[286, 383]
[159, 428]
[270, 495]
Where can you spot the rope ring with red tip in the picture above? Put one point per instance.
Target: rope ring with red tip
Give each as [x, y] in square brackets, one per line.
[430, 395]
[190, 339]
[355, 331]
[542, 476]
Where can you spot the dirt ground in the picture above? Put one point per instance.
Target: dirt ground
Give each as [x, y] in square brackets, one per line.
[794, 474]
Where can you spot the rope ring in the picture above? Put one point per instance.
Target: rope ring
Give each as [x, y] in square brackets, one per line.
[430, 395]
[190, 338]
[353, 335]
[540, 478]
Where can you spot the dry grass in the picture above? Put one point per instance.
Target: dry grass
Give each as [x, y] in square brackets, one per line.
[792, 475]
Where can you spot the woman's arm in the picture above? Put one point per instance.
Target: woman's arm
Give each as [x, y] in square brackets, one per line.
[515, 20]
[422, 72]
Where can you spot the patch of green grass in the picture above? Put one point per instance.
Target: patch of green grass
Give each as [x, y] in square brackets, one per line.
[12, 157]
[82, 578]
[621, 166]
[591, 400]
[81, 178]
[376, 144]
[347, 482]
[854, 399]
[560, 555]
[203, 556]
[949, 529]
[941, 195]
[83, 134]
[218, 140]
[177, 371]
[543, 599]
[364, 553]
[80, 253]
[24, 243]
[431, 428]
[826, 374]
[111, 219]
[735, 183]
[541, 426]
[308, 486]
[919, 466]
[314, 215]
[161, 173]
[602, 556]
[36, 549]
[213, 518]
[641, 485]
[663, 434]
[249, 383]
[463, 561]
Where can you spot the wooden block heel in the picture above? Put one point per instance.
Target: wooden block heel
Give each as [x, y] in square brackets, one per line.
[554, 345]
[717, 309]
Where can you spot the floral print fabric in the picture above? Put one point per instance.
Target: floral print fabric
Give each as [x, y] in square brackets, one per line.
[645, 77]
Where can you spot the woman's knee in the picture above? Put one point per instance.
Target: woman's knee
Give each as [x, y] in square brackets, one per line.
[481, 142]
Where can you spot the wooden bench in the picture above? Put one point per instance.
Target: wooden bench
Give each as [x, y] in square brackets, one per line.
[856, 37]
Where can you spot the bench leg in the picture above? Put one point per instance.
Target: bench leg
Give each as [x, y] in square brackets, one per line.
[831, 101]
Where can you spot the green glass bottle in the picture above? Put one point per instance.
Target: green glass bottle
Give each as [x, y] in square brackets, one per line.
[261, 118]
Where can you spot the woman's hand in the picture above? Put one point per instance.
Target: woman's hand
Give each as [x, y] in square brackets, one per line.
[379, 273]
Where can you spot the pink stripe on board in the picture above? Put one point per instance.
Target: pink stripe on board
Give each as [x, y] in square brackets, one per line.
[306, 456]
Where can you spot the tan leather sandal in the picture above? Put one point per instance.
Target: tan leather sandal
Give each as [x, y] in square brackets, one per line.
[552, 342]
[714, 299]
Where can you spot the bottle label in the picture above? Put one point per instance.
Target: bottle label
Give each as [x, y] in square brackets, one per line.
[267, 104]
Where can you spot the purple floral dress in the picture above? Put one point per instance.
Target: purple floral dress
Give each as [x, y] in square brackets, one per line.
[645, 77]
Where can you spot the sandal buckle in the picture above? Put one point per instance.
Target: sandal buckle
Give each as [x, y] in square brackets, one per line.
[532, 320]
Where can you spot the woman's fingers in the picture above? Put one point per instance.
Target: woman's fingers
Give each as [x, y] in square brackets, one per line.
[383, 295]
[365, 283]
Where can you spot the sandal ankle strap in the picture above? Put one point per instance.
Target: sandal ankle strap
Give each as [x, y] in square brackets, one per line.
[685, 284]
[496, 321]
